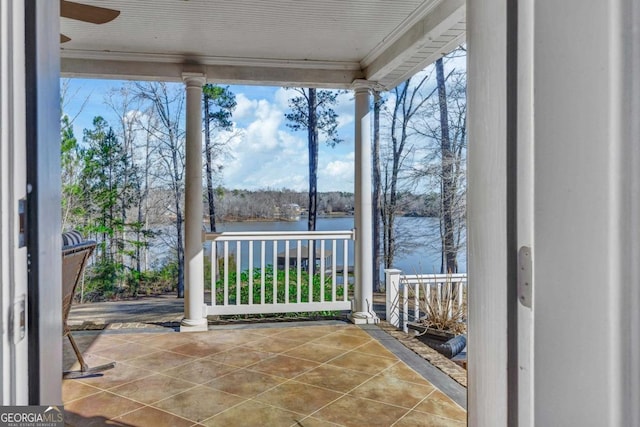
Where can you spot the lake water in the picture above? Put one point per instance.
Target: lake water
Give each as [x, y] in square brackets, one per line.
[421, 239]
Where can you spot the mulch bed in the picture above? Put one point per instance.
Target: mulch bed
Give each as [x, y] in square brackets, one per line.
[449, 367]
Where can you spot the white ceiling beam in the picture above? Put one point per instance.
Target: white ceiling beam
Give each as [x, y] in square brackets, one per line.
[225, 74]
[438, 20]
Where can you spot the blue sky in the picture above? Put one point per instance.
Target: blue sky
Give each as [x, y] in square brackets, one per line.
[264, 154]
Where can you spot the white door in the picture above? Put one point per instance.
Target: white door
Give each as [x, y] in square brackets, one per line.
[13, 187]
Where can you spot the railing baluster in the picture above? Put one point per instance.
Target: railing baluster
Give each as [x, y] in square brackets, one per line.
[250, 272]
[322, 270]
[262, 273]
[416, 301]
[225, 263]
[286, 271]
[405, 306]
[299, 270]
[214, 270]
[311, 260]
[238, 272]
[334, 267]
[345, 270]
[275, 271]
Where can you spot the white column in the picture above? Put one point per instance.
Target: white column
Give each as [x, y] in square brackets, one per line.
[194, 314]
[363, 311]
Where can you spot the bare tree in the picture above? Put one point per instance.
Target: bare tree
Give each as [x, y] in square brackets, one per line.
[377, 189]
[163, 120]
[443, 126]
[408, 99]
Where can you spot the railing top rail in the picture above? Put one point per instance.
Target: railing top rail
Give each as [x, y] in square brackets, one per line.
[434, 276]
[279, 235]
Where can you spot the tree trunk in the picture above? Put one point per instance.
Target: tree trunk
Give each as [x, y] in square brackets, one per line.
[209, 171]
[313, 162]
[448, 189]
[376, 190]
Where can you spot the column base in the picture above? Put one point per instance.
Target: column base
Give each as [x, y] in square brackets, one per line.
[364, 318]
[194, 325]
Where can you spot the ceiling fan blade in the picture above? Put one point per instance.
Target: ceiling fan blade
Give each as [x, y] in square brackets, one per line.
[64, 39]
[87, 13]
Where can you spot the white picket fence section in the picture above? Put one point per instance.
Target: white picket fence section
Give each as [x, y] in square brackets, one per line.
[405, 293]
[283, 251]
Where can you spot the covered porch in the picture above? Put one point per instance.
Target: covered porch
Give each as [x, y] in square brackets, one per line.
[367, 48]
[328, 373]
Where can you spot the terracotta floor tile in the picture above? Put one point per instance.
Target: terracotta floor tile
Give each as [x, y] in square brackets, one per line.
[152, 389]
[119, 375]
[238, 337]
[352, 330]
[160, 361]
[125, 351]
[298, 397]
[402, 372]
[165, 340]
[438, 403]
[306, 333]
[421, 419]
[198, 404]
[342, 341]
[72, 390]
[393, 391]
[333, 378]
[252, 413]
[351, 411]
[376, 349]
[240, 356]
[201, 348]
[315, 422]
[148, 416]
[273, 345]
[200, 371]
[315, 352]
[94, 342]
[269, 332]
[97, 408]
[362, 362]
[245, 383]
[70, 361]
[283, 366]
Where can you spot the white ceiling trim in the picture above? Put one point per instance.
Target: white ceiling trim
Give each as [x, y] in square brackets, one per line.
[223, 74]
[207, 60]
[427, 30]
[420, 13]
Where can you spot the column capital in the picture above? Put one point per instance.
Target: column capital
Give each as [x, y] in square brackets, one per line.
[194, 79]
[361, 85]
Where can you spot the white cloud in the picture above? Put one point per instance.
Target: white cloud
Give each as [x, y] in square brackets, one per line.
[244, 107]
[337, 174]
[269, 155]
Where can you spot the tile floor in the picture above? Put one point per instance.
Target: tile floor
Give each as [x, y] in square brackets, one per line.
[310, 375]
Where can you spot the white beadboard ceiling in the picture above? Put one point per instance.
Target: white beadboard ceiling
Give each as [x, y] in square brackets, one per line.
[326, 43]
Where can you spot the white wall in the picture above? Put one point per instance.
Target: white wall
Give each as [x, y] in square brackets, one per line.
[586, 213]
[578, 205]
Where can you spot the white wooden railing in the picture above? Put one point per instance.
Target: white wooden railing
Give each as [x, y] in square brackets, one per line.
[406, 294]
[260, 256]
